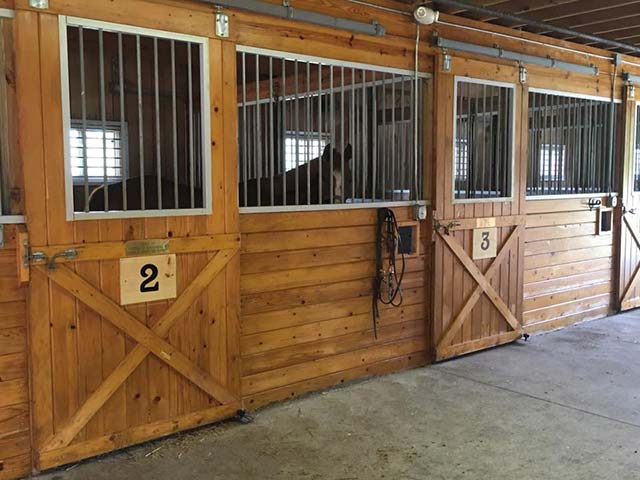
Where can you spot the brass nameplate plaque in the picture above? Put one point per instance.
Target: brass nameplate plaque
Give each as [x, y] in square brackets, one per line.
[146, 247]
[485, 222]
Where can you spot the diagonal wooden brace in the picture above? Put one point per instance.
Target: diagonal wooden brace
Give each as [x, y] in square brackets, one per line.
[636, 273]
[147, 338]
[484, 286]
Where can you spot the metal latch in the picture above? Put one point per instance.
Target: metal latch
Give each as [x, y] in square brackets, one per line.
[69, 254]
[1, 236]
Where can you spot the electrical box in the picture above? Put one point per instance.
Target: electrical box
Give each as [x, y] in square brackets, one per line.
[420, 212]
[409, 238]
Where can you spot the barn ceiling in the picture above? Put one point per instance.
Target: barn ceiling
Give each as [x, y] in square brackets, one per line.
[612, 19]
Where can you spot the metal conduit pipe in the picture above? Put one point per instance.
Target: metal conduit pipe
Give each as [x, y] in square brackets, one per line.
[288, 12]
[537, 24]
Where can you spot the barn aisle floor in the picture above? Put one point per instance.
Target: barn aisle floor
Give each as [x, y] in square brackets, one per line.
[565, 405]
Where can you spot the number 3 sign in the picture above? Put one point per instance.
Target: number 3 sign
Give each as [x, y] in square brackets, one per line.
[485, 243]
[147, 279]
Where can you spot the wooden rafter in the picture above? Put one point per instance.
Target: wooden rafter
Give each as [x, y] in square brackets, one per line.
[484, 286]
[150, 341]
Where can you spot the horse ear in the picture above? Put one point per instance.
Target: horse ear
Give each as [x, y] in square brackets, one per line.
[348, 152]
[326, 153]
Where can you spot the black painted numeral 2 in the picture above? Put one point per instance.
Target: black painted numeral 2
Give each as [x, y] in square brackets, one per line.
[150, 273]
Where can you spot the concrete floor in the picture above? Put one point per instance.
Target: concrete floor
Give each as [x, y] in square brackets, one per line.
[565, 406]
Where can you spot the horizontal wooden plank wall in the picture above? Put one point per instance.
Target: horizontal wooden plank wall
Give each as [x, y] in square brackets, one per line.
[15, 437]
[569, 270]
[306, 281]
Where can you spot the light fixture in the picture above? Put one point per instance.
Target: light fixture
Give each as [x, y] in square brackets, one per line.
[39, 3]
[425, 16]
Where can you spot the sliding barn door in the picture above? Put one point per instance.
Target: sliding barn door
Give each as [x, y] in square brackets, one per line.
[134, 322]
[629, 235]
[479, 223]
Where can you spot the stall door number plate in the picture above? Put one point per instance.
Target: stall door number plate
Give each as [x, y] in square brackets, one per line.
[485, 243]
[147, 279]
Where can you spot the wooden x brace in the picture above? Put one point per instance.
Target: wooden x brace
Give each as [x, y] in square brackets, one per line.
[636, 273]
[484, 286]
[150, 340]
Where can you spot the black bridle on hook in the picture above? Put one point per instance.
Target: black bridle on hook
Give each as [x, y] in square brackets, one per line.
[387, 286]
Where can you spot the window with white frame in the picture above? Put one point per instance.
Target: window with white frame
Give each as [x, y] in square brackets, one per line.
[104, 155]
[483, 143]
[316, 132]
[552, 159]
[136, 111]
[301, 148]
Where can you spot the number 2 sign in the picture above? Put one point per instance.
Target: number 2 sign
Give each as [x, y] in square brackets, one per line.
[485, 243]
[147, 279]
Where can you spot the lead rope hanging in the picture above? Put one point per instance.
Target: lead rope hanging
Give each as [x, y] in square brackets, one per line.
[387, 286]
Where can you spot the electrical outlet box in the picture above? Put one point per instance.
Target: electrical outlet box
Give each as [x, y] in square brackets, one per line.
[420, 212]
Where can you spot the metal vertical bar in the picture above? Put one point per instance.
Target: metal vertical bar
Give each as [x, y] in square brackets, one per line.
[364, 135]
[191, 140]
[297, 128]
[484, 141]
[342, 146]
[271, 135]
[384, 138]
[458, 143]
[245, 159]
[308, 134]
[411, 133]
[83, 97]
[284, 131]
[103, 118]
[332, 134]
[174, 124]
[140, 123]
[495, 159]
[393, 134]
[319, 102]
[258, 134]
[374, 134]
[508, 143]
[123, 160]
[157, 115]
[402, 148]
[499, 151]
[352, 135]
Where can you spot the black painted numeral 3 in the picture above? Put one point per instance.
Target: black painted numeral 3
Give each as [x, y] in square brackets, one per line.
[150, 273]
[485, 241]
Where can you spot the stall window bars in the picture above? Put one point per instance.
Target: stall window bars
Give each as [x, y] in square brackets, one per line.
[568, 146]
[483, 147]
[316, 132]
[136, 113]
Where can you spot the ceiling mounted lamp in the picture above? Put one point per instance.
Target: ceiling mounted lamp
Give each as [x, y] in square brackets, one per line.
[425, 15]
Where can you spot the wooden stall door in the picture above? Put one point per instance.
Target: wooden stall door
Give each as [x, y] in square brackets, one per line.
[477, 303]
[106, 376]
[629, 234]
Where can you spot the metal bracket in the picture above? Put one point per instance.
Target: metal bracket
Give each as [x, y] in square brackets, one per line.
[594, 203]
[523, 74]
[437, 226]
[222, 24]
[446, 61]
[68, 254]
[243, 417]
[43, 4]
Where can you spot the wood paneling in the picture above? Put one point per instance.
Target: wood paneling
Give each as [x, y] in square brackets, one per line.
[568, 274]
[15, 436]
[306, 304]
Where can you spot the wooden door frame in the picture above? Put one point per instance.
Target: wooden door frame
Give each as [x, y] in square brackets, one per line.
[628, 196]
[455, 216]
